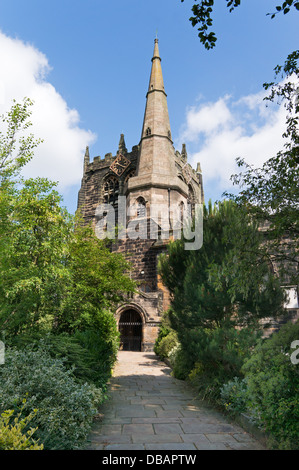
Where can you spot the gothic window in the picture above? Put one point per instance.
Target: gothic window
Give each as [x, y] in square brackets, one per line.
[111, 191]
[181, 212]
[191, 200]
[148, 131]
[141, 207]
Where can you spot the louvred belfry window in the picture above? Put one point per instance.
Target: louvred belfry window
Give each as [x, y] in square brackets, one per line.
[111, 191]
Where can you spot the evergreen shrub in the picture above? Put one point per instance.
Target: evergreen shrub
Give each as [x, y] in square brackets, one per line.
[165, 344]
[272, 386]
[65, 407]
[14, 432]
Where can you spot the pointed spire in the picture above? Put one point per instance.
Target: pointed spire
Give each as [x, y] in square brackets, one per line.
[156, 79]
[198, 168]
[156, 162]
[122, 145]
[184, 152]
[86, 158]
[156, 118]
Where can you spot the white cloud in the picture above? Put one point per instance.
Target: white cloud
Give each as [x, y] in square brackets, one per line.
[23, 73]
[227, 129]
[207, 118]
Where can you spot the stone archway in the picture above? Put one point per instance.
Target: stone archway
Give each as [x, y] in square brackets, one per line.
[130, 328]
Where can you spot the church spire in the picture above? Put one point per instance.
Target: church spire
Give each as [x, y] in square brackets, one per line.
[156, 125]
[156, 79]
[156, 163]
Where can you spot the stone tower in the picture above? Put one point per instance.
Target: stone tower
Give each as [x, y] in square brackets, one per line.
[148, 188]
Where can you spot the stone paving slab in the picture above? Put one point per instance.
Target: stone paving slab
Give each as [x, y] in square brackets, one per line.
[148, 409]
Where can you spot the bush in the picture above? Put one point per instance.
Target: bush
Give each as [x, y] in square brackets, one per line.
[179, 362]
[166, 344]
[65, 407]
[233, 395]
[90, 356]
[220, 354]
[13, 435]
[273, 384]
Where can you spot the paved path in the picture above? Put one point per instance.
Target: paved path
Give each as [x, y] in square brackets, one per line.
[148, 409]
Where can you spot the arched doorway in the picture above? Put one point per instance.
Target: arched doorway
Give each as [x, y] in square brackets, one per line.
[130, 328]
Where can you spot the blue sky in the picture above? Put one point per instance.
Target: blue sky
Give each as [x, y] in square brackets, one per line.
[87, 63]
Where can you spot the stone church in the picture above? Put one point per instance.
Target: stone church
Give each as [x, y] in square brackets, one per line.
[152, 174]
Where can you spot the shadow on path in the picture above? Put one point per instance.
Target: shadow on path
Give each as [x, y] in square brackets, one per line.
[148, 409]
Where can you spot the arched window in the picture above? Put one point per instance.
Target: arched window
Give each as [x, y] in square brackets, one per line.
[191, 200]
[141, 207]
[148, 131]
[181, 212]
[111, 191]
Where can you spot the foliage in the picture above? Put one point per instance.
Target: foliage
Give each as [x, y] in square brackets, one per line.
[16, 152]
[166, 344]
[33, 272]
[233, 395]
[52, 277]
[65, 408]
[179, 362]
[166, 339]
[58, 287]
[13, 435]
[271, 193]
[204, 20]
[272, 386]
[88, 354]
[220, 354]
[214, 318]
[98, 282]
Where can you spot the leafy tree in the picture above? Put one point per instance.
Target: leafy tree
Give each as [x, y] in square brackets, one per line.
[203, 17]
[271, 192]
[98, 282]
[33, 271]
[51, 275]
[15, 149]
[214, 327]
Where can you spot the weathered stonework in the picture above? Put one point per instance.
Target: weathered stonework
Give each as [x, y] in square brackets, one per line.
[153, 173]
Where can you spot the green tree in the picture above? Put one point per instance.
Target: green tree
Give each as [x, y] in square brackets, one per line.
[51, 275]
[214, 317]
[271, 192]
[203, 17]
[33, 271]
[16, 149]
[98, 282]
